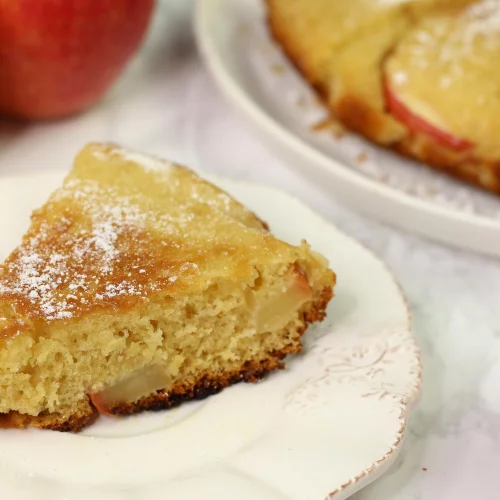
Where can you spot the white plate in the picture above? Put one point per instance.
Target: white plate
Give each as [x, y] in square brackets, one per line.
[329, 424]
[256, 77]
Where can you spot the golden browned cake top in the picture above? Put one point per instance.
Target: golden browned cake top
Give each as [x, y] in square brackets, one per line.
[323, 27]
[446, 70]
[122, 228]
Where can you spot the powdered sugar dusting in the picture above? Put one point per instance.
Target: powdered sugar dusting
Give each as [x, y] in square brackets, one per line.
[474, 31]
[100, 155]
[400, 77]
[102, 243]
[483, 20]
[478, 29]
[147, 162]
[68, 264]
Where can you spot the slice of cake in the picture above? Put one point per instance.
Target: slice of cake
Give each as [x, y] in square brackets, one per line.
[139, 286]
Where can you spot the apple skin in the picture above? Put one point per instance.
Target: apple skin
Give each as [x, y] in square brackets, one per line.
[416, 124]
[58, 57]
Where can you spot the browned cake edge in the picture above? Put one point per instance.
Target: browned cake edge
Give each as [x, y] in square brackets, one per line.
[360, 117]
[206, 385]
[85, 415]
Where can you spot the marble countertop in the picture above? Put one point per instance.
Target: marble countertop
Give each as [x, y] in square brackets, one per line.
[166, 103]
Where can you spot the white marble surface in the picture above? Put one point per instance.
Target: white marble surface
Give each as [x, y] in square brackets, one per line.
[166, 103]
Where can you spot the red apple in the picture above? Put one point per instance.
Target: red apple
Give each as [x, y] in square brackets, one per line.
[58, 57]
[417, 124]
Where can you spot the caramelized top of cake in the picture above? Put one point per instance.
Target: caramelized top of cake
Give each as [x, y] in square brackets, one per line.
[122, 228]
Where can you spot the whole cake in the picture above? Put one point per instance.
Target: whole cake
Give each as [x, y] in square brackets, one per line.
[419, 76]
[138, 286]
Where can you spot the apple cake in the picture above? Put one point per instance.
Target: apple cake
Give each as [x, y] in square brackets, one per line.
[418, 76]
[138, 286]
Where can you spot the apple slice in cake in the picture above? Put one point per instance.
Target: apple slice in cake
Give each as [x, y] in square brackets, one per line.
[138, 286]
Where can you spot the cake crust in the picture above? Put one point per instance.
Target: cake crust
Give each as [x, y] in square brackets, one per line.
[373, 121]
[85, 415]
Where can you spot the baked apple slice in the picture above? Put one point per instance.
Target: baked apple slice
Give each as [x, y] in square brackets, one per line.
[143, 383]
[419, 118]
[275, 312]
